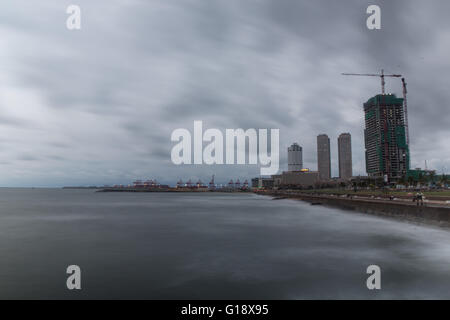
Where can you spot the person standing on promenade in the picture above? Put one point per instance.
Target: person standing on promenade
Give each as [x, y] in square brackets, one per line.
[419, 198]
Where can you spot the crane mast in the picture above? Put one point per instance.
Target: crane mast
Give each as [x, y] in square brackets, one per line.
[405, 107]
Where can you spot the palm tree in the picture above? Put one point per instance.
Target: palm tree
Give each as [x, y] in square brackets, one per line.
[422, 178]
[432, 176]
[411, 181]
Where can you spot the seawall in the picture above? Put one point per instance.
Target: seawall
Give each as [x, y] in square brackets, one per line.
[427, 214]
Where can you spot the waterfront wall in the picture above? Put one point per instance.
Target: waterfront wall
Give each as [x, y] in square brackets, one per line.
[431, 215]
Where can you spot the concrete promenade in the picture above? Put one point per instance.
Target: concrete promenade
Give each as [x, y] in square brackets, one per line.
[433, 212]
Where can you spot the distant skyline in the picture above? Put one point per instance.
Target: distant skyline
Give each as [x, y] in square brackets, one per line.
[97, 105]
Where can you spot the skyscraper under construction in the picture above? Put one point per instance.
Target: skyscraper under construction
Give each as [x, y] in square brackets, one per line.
[387, 152]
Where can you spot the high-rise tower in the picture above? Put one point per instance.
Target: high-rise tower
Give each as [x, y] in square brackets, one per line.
[345, 156]
[295, 158]
[387, 152]
[323, 157]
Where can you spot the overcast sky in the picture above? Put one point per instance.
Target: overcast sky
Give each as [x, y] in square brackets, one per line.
[98, 105]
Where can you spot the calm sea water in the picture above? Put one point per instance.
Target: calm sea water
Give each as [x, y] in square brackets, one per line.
[209, 246]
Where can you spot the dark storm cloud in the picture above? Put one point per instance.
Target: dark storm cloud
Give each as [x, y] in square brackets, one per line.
[98, 105]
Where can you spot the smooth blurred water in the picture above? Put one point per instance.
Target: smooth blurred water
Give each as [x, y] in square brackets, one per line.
[206, 246]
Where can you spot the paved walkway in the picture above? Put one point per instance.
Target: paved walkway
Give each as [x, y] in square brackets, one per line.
[403, 201]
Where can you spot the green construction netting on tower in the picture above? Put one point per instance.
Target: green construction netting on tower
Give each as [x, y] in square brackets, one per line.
[383, 99]
[400, 137]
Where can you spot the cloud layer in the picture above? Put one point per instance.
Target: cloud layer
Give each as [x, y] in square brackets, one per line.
[98, 105]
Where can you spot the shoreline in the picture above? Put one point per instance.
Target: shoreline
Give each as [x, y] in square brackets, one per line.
[428, 214]
[172, 190]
